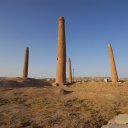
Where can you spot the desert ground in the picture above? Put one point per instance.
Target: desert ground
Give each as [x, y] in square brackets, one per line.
[35, 103]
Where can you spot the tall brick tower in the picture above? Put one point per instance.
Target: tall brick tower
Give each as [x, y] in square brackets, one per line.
[114, 75]
[69, 71]
[25, 67]
[61, 52]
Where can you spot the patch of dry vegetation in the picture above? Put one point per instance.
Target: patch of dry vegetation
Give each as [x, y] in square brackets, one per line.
[88, 105]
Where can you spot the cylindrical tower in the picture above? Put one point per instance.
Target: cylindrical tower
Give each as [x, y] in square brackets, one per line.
[114, 75]
[69, 71]
[25, 67]
[61, 53]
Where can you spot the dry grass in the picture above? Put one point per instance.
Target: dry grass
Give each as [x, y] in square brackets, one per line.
[88, 105]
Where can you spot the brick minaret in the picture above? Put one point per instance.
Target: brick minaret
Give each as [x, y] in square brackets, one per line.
[114, 75]
[25, 68]
[61, 53]
[69, 71]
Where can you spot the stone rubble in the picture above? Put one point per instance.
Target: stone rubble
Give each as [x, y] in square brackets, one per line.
[119, 121]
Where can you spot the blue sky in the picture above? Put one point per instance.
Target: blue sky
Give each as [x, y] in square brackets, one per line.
[90, 25]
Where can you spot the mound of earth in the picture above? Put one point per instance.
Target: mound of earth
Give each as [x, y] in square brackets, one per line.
[23, 82]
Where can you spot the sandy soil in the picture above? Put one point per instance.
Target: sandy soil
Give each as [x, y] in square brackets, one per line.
[31, 103]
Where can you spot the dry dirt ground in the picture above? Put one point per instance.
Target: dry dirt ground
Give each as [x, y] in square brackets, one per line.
[32, 103]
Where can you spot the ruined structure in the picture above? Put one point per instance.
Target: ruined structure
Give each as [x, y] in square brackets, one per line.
[69, 71]
[114, 75]
[25, 67]
[61, 53]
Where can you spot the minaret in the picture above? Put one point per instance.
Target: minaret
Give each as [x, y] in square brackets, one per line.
[114, 75]
[25, 68]
[69, 71]
[61, 53]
